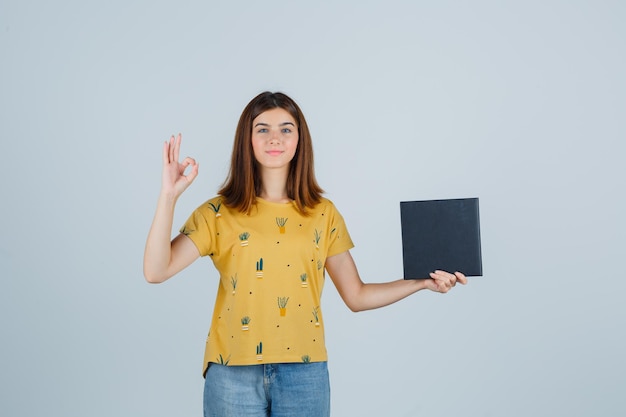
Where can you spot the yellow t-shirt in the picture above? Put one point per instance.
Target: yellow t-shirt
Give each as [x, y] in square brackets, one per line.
[271, 266]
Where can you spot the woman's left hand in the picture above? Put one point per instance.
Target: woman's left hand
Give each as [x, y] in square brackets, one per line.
[442, 281]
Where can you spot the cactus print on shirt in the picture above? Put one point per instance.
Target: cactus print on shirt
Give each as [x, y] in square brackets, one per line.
[271, 267]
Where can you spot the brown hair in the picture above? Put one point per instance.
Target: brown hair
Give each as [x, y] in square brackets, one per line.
[243, 183]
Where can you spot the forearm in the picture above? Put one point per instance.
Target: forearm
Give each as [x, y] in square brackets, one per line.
[371, 296]
[158, 251]
[359, 296]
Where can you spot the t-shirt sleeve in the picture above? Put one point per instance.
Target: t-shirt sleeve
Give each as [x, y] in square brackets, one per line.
[198, 229]
[340, 240]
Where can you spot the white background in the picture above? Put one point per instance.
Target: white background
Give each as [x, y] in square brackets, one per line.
[521, 104]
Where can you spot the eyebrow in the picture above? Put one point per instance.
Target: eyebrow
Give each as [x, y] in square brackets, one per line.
[282, 124]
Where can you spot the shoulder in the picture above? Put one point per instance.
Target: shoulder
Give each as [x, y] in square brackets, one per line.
[212, 204]
[209, 209]
[325, 202]
[326, 206]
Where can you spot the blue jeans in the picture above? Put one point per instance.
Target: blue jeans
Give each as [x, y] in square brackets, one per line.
[270, 390]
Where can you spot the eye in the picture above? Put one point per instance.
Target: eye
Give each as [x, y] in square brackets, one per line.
[262, 130]
[286, 130]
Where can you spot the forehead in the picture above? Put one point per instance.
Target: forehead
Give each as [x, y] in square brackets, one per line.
[275, 116]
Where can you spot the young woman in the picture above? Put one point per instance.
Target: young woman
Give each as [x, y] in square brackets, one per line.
[271, 236]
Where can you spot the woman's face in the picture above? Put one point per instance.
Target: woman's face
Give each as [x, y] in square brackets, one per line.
[274, 138]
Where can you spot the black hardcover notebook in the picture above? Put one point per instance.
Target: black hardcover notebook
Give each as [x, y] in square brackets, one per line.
[440, 234]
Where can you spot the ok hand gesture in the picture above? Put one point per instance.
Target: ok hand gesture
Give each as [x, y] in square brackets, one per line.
[174, 181]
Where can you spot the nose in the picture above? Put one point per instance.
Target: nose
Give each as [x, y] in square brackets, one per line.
[274, 136]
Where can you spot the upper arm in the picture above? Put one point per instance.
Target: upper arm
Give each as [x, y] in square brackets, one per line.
[342, 271]
[183, 253]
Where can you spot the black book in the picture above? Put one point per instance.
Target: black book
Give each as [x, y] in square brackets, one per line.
[440, 234]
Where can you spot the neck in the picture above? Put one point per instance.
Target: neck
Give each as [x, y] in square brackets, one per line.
[274, 185]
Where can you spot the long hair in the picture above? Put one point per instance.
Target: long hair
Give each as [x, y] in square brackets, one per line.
[243, 183]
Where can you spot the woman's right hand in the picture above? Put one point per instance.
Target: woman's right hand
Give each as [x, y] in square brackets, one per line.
[174, 181]
[164, 257]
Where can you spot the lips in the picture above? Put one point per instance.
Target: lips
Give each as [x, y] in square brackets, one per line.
[274, 152]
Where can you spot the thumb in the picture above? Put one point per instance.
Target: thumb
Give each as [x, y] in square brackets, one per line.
[193, 173]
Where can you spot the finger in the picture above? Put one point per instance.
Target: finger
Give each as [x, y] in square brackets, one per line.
[445, 273]
[189, 162]
[441, 282]
[449, 278]
[461, 277]
[166, 153]
[442, 287]
[439, 276]
[186, 162]
[177, 147]
[193, 173]
[171, 149]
